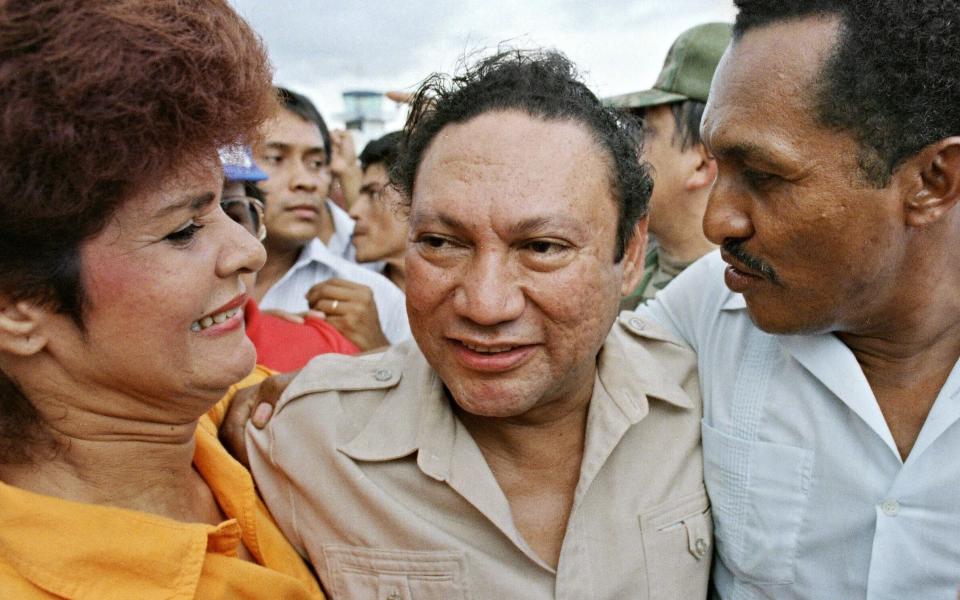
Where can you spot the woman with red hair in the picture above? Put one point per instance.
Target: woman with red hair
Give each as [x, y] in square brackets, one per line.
[121, 321]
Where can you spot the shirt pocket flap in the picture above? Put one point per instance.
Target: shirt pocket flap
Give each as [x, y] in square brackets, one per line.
[384, 574]
[677, 547]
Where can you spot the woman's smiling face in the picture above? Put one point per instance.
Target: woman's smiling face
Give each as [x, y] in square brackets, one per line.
[163, 316]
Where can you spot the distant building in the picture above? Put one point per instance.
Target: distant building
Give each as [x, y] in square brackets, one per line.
[364, 116]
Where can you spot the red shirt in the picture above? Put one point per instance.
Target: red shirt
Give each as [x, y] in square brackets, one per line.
[286, 346]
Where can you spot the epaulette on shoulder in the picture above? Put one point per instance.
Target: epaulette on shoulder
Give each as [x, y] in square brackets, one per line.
[337, 372]
[640, 327]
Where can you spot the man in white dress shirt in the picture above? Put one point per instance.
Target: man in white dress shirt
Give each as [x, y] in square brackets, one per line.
[308, 237]
[829, 361]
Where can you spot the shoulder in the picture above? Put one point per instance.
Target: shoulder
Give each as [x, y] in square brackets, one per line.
[343, 392]
[690, 305]
[658, 350]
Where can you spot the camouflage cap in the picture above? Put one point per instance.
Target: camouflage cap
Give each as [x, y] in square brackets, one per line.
[686, 72]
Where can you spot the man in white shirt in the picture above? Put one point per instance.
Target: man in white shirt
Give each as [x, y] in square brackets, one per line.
[308, 237]
[830, 367]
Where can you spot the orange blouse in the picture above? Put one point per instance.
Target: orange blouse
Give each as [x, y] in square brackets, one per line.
[53, 548]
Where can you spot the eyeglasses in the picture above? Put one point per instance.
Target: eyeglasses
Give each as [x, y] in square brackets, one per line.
[248, 212]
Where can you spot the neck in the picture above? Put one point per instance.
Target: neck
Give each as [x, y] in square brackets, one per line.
[908, 351]
[115, 462]
[115, 447]
[539, 442]
[326, 227]
[919, 341]
[395, 271]
[919, 320]
[280, 259]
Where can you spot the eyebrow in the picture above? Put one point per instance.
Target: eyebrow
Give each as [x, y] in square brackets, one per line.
[747, 152]
[194, 203]
[524, 227]
[286, 147]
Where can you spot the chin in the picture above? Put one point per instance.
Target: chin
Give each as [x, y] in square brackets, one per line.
[239, 364]
[492, 401]
[785, 322]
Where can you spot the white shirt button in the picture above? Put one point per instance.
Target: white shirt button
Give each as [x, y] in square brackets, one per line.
[382, 375]
[636, 324]
[890, 508]
[700, 548]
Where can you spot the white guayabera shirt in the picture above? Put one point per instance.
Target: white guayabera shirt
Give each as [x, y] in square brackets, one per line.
[810, 497]
[317, 263]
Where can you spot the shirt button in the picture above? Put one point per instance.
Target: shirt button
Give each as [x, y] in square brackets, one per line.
[382, 375]
[636, 324]
[890, 508]
[700, 547]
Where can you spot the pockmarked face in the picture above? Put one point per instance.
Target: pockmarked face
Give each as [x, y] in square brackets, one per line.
[164, 300]
[381, 229]
[292, 155]
[812, 245]
[511, 281]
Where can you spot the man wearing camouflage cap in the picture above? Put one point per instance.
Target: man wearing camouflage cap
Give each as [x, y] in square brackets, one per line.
[683, 169]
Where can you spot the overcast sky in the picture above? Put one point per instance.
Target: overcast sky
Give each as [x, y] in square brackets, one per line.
[324, 47]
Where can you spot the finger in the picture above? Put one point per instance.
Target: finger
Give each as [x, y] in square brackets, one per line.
[316, 314]
[234, 422]
[261, 416]
[400, 97]
[335, 289]
[267, 396]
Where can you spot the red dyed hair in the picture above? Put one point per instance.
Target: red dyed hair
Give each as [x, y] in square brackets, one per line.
[99, 98]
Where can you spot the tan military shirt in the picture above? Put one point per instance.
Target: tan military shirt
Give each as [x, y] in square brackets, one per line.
[371, 475]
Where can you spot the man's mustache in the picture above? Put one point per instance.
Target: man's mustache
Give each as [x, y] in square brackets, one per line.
[735, 249]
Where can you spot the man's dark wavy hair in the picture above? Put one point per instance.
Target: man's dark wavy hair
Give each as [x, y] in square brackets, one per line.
[543, 84]
[893, 79]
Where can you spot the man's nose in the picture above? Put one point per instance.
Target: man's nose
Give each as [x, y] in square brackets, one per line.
[491, 291]
[728, 213]
[302, 178]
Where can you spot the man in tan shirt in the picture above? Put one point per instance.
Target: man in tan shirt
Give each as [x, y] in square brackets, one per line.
[529, 444]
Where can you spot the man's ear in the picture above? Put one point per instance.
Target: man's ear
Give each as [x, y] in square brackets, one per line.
[705, 169]
[634, 257]
[939, 192]
[20, 327]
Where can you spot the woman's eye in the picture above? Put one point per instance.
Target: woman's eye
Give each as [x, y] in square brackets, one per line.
[185, 234]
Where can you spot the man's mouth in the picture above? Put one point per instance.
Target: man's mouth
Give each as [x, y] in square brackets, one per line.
[305, 211]
[488, 349]
[746, 264]
[486, 357]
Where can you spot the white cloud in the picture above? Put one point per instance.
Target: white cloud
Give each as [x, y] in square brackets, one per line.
[323, 49]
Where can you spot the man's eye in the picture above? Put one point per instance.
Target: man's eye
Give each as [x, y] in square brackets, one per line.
[758, 177]
[433, 241]
[184, 235]
[272, 159]
[545, 247]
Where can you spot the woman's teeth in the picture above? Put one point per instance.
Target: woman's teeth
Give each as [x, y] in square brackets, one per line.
[213, 319]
